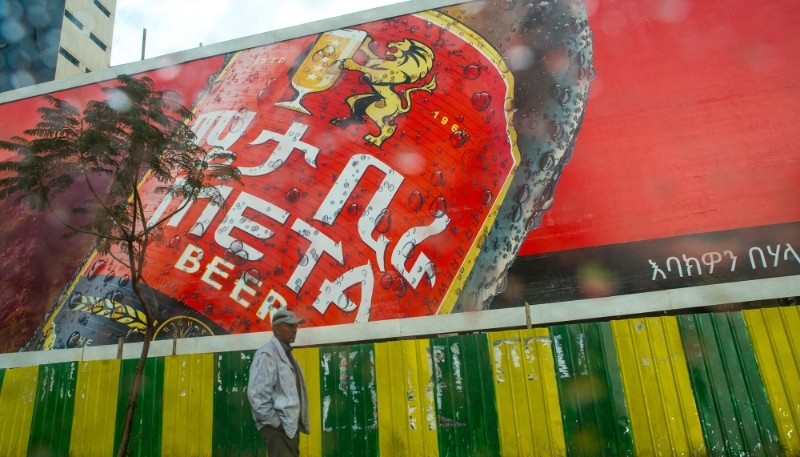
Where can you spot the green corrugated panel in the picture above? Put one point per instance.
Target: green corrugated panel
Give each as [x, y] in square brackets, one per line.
[731, 398]
[590, 389]
[146, 433]
[52, 413]
[464, 392]
[349, 401]
[235, 432]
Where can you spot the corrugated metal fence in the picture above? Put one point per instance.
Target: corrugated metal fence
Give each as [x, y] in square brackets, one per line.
[724, 384]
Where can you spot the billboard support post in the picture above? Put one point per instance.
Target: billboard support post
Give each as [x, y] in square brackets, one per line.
[144, 41]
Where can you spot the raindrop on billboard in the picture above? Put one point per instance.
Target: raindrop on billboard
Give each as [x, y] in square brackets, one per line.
[293, 195]
[487, 197]
[384, 222]
[74, 340]
[437, 178]
[438, 207]
[516, 216]
[175, 242]
[472, 71]
[196, 230]
[97, 267]
[399, 287]
[481, 101]
[415, 201]
[458, 138]
[74, 300]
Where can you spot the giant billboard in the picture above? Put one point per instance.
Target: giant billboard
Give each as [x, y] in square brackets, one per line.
[464, 158]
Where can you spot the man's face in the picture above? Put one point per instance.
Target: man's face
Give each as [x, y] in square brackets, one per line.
[285, 333]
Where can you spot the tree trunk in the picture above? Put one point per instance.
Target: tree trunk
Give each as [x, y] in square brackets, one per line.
[127, 426]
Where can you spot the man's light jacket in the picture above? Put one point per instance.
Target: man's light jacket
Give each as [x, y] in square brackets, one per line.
[272, 390]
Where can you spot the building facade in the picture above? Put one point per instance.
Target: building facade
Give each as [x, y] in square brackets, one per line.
[43, 40]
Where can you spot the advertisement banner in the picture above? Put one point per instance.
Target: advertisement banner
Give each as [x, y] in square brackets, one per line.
[465, 158]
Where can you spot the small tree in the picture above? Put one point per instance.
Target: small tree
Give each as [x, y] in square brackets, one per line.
[109, 147]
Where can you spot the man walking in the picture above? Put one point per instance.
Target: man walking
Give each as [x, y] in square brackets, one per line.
[277, 390]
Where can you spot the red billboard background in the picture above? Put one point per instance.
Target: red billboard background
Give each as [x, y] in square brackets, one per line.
[692, 124]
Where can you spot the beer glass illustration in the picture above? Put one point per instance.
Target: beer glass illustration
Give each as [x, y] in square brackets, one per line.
[322, 66]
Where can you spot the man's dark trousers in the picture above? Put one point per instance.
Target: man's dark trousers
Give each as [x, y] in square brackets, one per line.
[279, 444]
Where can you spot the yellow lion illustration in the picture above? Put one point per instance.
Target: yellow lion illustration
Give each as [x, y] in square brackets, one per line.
[412, 62]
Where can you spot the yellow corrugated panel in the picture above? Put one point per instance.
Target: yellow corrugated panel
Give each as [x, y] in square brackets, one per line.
[527, 393]
[17, 398]
[95, 409]
[657, 387]
[406, 409]
[775, 335]
[308, 358]
[188, 405]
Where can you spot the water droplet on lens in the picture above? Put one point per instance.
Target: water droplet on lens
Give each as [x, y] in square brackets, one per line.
[236, 246]
[352, 209]
[472, 71]
[438, 207]
[84, 319]
[123, 281]
[555, 91]
[304, 261]
[481, 101]
[293, 195]
[415, 201]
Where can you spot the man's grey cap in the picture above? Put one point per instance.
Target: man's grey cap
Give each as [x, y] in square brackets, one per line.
[287, 317]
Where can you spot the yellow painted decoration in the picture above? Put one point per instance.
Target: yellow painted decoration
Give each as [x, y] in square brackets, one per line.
[308, 359]
[406, 409]
[527, 394]
[95, 409]
[17, 398]
[188, 405]
[775, 335]
[657, 387]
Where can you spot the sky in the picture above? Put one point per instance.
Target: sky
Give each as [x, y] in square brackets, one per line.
[177, 25]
